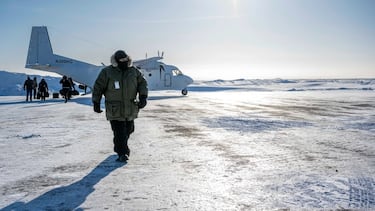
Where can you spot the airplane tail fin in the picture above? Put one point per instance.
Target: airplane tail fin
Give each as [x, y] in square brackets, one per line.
[40, 50]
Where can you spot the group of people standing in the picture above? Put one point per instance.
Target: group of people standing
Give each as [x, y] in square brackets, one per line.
[40, 91]
[33, 90]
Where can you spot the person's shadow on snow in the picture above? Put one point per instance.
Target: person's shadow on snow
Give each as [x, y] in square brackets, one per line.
[72, 196]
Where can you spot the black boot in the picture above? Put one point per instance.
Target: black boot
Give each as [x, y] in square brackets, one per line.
[122, 158]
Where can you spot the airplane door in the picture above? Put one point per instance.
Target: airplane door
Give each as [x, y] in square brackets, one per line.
[167, 80]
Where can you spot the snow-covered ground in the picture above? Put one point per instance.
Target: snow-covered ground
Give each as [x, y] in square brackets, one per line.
[228, 145]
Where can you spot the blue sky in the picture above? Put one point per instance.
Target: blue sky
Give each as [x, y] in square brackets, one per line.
[206, 39]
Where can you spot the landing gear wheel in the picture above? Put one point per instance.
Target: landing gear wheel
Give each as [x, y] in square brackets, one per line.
[184, 92]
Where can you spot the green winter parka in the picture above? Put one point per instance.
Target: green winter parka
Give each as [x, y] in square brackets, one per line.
[120, 89]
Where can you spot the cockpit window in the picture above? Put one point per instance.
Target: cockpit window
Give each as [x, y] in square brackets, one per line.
[176, 72]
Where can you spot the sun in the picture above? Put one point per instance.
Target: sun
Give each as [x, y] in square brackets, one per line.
[235, 7]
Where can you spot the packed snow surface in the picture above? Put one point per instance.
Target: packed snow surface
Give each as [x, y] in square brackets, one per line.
[228, 145]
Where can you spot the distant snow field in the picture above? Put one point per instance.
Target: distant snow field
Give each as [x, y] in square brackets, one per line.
[228, 145]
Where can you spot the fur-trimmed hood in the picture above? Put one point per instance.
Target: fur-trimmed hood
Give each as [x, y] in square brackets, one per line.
[114, 63]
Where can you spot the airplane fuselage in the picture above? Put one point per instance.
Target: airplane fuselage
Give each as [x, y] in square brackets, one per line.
[40, 56]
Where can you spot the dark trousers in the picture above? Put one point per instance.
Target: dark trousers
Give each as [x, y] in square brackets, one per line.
[121, 132]
[43, 95]
[29, 92]
[34, 93]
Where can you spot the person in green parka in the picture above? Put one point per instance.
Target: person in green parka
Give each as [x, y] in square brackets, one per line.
[120, 83]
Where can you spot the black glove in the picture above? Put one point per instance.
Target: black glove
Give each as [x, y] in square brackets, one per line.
[97, 107]
[142, 101]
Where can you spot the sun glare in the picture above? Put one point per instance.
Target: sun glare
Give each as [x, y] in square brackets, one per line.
[235, 7]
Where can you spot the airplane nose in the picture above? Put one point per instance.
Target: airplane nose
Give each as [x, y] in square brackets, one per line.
[188, 80]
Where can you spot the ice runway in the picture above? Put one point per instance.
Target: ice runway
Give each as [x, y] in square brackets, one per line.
[220, 148]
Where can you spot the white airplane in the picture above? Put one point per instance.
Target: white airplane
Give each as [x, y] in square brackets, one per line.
[40, 56]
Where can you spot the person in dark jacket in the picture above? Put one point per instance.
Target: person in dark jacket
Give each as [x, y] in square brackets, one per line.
[35, 87]
[120, 83]
[43, 89]
[28, 86]
[72, 83]
[66, 88]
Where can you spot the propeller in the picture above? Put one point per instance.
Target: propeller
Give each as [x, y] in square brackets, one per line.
[161, 68]
[162, 54]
